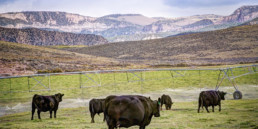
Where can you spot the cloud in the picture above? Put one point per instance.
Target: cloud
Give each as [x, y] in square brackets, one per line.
[3, 2]
[205, 3]
[150, 8]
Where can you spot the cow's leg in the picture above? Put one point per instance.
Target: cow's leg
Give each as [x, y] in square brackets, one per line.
[206, 107]
[199, 105]
[39, 114]
[55, 113]
[212, 108]
[92, 117]
[32, 111]
[142, 127]
[50, 114]
[219, 106]
[161, 106]
[111, 127]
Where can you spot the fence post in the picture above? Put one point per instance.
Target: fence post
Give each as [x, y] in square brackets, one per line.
[10, 84]
[172, 77]
[127, 76]
[49, 87]
[141, 82]
[200, 79]
[29, 83]
[114, 75]
[80, 79]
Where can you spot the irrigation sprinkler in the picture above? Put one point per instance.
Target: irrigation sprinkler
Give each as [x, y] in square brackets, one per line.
[228, 73]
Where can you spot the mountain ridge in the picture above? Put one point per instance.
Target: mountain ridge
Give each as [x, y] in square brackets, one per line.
[124, 27]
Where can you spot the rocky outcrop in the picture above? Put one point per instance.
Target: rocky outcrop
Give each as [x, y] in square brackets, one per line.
[39, 37]
[199, 24]
[242, 14]
[252, 22]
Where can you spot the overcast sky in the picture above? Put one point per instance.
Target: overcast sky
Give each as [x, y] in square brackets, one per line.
[150, 8]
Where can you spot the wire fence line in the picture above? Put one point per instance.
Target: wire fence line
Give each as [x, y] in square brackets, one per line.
[88, 79]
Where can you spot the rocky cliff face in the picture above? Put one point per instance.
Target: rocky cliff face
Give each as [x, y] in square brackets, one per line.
[252, 22]
[120, 27]
[39, 37]
[242, 14]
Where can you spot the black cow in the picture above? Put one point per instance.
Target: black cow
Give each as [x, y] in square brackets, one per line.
[46, 103]
[211, 98]
[165, 99]
[96, 106]
[130, 110]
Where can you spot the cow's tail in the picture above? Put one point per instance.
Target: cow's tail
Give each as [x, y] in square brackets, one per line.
[34, 100]
[34, 97]
[202, 101]
[91, 108]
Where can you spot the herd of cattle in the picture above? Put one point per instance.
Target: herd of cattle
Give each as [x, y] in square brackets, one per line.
[126, 110]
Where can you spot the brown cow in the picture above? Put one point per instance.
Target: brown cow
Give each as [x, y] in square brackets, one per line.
[46, 103]
[165, 99]
[96, 106]
[211, 98]
[130, 110]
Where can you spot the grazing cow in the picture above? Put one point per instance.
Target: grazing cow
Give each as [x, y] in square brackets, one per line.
[211, 98]
[46, 103]
[96, 106]
[165, 99]
[130, 110]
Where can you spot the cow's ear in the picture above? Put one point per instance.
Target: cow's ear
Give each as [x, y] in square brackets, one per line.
[62, 94]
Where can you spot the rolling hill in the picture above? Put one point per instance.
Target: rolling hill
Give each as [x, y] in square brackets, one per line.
[23, 59]
[227, 46]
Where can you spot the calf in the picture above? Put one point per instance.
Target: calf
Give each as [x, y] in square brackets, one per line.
[211, 98]
[130, 110]
[165, 99]
[96, 106]
[46, 103]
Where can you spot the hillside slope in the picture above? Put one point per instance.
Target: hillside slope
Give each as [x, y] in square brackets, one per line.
[22, 59]
[39, 37]
[227, 46]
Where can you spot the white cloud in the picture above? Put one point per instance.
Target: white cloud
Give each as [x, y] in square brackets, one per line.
[151, 8]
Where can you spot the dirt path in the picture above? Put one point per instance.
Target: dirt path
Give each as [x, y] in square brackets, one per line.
[177, 95]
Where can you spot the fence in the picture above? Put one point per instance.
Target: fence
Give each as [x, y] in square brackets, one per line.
[89, 84]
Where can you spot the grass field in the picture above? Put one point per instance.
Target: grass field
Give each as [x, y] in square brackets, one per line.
[22, 89]
[235, 114]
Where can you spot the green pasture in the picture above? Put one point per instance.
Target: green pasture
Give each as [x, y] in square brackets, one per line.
[235, 114]
[102, 84]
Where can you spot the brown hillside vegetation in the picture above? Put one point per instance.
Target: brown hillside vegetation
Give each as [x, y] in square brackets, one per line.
[20, 59]
[227, 46]
[34, 36]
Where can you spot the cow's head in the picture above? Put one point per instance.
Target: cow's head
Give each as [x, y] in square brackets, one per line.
[59, 97]
[157, 108]
[222, 94]
[170, 105]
